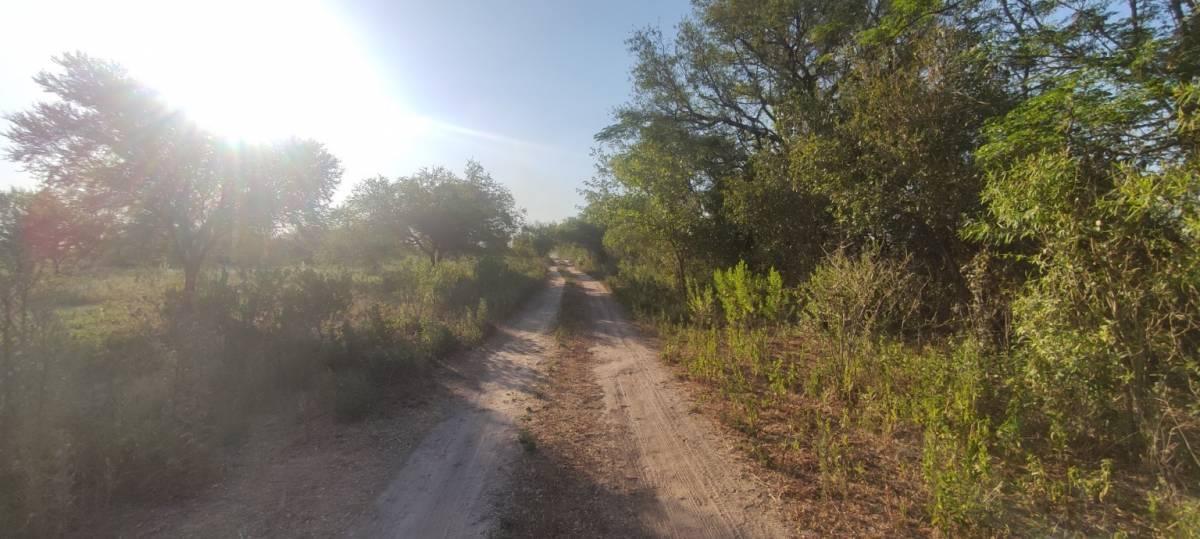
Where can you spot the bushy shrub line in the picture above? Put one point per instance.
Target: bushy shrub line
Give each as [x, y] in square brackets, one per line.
[148, 406]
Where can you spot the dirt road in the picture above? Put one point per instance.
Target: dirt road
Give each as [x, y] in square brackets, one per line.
[680, 479]
[448, 485]
[699, 486]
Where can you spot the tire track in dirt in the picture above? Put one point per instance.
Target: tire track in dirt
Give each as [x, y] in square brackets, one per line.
[449, 483]
[699, 487]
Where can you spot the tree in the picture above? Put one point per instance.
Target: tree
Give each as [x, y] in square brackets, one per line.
[664, 188]
[1092, 182]
[537, 238]
[288, 197]
[896, 163]
[584, 232]
[746, 80]
[56, 232]
[18, 275]
[439, 213]
[110, 147]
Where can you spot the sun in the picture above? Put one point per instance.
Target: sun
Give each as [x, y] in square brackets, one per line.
[245, 69]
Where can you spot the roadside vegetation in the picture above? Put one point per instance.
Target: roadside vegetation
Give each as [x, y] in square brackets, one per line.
[936, 260]
[163, 287]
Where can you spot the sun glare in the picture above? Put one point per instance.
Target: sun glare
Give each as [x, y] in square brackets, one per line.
[250, 70]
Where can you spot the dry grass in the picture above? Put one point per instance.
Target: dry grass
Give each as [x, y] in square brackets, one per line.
[834, 479]
[841, 470]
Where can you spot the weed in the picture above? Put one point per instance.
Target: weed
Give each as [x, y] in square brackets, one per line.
[527, 441]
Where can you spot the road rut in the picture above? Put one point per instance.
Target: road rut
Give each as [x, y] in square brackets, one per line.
[448, 485]
[699, 486]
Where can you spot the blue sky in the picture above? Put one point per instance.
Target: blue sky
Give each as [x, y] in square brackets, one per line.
[521, 86]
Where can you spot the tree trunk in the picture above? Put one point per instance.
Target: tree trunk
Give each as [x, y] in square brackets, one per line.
[7, 372]
[191, 274]
[680, 273]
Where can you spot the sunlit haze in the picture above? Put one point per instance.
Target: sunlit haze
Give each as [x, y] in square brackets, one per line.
[388, 86]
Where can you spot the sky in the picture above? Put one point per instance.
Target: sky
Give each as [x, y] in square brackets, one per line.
[390, 86]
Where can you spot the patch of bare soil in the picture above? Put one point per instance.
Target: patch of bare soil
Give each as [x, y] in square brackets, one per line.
[303, 476]
[577, 476]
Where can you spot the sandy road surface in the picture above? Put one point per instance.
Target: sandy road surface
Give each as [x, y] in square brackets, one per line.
[694, 485]
[700, 489]
[447, 486]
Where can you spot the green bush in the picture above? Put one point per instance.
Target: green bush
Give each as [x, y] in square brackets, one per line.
[746, 298]
[648, 292]
[1109, 331]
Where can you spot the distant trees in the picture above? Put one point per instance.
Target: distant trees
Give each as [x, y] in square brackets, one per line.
[110, 148]
[572, 235]
[53, 232]
[119, 167]
[665, 189]
[437, 212]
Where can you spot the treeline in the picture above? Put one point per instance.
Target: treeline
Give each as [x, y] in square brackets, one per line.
[162, 287]
[960, 236]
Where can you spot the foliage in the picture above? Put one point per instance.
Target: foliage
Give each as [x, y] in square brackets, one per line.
[437, 212]
[109, 147]
[863, 297]
[747, 299]
[662, 190]
[989, 214]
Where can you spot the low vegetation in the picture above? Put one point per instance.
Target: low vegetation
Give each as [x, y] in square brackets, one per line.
[119, 393]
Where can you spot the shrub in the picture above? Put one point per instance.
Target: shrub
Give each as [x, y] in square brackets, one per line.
[356, 394]
[746, 298]
[1108, 332]
[868, 296]
[140, 393]
[647, 291]
[313, 302]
